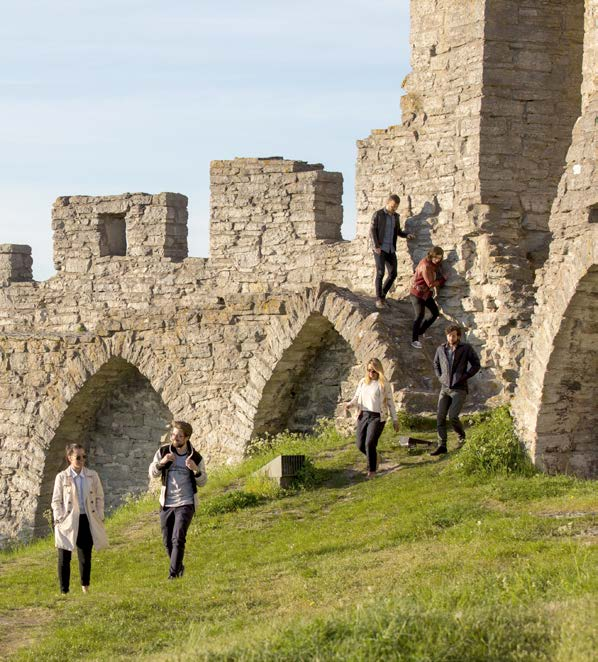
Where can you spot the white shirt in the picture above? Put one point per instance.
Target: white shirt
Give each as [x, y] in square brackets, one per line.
[374, 397]
[79, 479]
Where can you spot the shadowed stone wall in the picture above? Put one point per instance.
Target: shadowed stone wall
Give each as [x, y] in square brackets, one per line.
[555, 404]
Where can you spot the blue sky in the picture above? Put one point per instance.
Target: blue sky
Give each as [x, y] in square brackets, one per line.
[106, 97]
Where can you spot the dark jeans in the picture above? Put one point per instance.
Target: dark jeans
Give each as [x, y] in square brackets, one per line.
[84, 547]
[382, 260]
[419, 308]
[174, 523]
[369, 429]
[450, 401]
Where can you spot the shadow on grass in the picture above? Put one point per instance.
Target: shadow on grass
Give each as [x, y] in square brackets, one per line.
[337, 478]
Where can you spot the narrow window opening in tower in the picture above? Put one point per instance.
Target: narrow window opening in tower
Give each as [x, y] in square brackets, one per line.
[113, 234]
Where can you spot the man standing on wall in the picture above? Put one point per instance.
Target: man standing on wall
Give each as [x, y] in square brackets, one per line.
[455, 362]
[384, 230]
[181, 469]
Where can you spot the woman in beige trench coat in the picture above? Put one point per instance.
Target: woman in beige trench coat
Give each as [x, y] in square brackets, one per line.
[78, 510]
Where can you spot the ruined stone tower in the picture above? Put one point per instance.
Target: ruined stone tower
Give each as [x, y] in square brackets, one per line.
[495, 160]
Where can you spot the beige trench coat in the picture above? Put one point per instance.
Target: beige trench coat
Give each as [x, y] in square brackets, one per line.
[65, 508]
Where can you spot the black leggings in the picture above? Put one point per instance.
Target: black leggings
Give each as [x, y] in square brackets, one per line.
[369, 429]
[84, 547]
[419, 309]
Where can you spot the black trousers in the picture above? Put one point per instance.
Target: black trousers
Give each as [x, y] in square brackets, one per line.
[369, 429]
[382, 261]
[450, 403]
[174, 523]
[419, 309]
[84, 547]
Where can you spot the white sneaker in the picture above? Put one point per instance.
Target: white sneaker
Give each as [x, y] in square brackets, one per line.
[416, 344]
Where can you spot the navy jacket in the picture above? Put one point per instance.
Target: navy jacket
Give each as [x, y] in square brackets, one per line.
[466, 364]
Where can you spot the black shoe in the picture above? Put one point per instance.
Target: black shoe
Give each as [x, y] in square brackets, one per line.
[181, 572]
[440, 450]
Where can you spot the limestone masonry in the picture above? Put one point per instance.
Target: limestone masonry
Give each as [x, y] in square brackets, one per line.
[495, 159]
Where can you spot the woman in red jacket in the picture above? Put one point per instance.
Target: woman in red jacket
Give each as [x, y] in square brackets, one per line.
[427, 276]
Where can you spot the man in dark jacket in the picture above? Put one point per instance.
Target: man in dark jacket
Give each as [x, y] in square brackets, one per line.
[384, 230]
[182, 470]
[455, 362]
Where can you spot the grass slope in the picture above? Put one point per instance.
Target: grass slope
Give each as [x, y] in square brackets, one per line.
[422, 563]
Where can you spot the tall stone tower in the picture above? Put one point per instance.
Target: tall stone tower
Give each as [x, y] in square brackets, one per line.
[489, 107]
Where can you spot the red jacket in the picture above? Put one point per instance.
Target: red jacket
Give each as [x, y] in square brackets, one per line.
[427, 275]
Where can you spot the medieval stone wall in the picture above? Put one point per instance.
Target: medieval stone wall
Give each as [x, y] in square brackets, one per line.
[555, 405]
[274, 328]
[487, 120]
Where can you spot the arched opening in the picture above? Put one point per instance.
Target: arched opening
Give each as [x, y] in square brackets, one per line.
[121, 420]
[567, 427]
[314, 374]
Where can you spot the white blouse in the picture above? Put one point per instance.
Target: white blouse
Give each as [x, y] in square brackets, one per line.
[375, 398]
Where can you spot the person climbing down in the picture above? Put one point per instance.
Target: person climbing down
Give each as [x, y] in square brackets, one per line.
[454, 364]
[427, 275]
[374, 401]
[384, 230]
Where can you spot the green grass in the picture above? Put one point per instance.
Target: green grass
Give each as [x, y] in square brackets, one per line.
[427, 562]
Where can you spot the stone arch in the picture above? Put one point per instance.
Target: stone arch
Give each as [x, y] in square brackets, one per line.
[554, 405]
[118, 414]
[308, 381]
[329, 316]
[567, 423]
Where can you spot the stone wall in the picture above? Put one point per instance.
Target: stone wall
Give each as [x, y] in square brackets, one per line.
[129, 426]
[487, 118]
[316, 372]
[138, 224]
[15, 263]
[210, 359]
[274, 329]
[555, 405]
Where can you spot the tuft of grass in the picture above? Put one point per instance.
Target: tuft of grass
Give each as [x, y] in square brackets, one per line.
[263, 486]
[230, 502]
[493, 447]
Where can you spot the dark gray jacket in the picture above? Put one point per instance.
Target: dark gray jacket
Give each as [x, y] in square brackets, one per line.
[465, 365]
[378, 225]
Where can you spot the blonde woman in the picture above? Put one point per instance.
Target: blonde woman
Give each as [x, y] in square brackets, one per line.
[78, 509]
[374, 401]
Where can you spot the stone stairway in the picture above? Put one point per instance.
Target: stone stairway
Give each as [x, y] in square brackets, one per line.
[410, 370]
[414, 382]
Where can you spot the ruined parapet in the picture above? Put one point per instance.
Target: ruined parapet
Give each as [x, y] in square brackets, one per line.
[269, 209]
[15, 263]
[136, 225]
